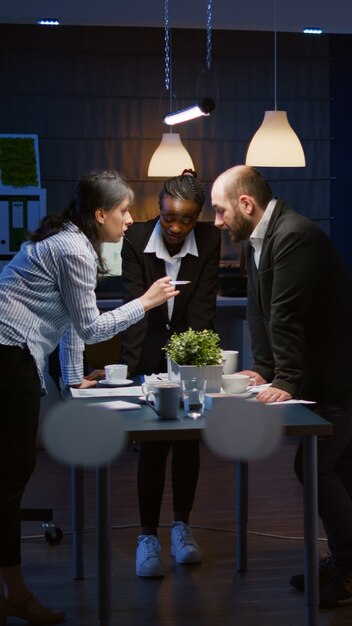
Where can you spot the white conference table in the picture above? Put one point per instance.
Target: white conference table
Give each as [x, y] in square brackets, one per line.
[143, 425]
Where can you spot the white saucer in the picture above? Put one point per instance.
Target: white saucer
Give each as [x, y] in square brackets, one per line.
[243, 394]
[121, 384]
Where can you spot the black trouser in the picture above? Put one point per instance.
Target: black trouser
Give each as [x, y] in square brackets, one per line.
[335, 478]
[20, 394]
[151, 477]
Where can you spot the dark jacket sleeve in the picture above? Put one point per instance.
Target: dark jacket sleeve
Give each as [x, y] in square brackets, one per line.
[260, 343]
[135, 283]
[290, 285]
[289, 274]
[300, 310]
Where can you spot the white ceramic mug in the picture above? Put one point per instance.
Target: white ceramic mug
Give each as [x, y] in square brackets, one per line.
[236, 383]
[166, 397]
[229, 361]
[148, 387]
[116, 373]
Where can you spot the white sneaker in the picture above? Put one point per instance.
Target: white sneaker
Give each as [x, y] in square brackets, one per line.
[183, 546]
[148, 561]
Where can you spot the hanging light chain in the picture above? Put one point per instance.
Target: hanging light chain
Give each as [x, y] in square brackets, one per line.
[167, 40]
[275, 55]
[167, 45]
[209, 18]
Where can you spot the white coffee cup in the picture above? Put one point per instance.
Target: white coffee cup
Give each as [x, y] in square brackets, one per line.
[229, 361]
[148, 387]
[166, 397]
[236, 383]
[116, 373]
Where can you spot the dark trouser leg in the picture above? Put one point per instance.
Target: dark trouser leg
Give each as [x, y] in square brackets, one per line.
[150, 482]
[185, 472]
[334, 479]
[20, 388]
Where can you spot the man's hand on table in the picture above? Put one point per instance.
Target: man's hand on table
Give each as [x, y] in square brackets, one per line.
[271, 394]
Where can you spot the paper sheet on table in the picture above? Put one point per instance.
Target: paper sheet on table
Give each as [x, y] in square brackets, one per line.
[102, 392]
[293, 402]
[258, 388]
[120, 405]
[156, 377]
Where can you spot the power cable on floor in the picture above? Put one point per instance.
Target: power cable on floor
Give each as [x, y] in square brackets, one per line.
[196, 526]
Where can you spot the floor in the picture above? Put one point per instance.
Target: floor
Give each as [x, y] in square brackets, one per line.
[209, 594]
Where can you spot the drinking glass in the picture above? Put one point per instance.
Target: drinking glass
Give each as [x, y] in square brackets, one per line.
[193, 392]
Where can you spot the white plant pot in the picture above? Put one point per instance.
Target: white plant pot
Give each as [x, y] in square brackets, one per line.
[211, 373]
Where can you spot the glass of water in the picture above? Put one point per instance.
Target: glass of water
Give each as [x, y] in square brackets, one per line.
[193, 392]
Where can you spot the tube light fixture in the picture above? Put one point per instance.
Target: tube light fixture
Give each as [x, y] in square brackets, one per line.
[312, 31]
[48, 22]
[204, 108]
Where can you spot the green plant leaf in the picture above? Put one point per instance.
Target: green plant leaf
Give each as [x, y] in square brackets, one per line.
[194, 347]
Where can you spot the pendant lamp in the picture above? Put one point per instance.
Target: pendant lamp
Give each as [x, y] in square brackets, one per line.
[275, 144]
[171, 157]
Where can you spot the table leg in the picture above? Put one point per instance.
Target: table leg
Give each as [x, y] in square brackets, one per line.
[242, 515]
[310, 497]
[103, 545]
[77, 496]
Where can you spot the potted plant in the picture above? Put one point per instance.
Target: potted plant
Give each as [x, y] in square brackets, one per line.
[195, 353]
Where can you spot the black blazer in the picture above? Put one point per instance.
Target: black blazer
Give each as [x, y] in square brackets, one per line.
[300, 309]
[195, 307]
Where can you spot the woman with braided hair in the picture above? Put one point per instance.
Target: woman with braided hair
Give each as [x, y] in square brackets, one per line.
[177, 244]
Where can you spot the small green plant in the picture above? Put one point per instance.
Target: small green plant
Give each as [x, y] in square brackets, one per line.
[18, 162]
[194, 347]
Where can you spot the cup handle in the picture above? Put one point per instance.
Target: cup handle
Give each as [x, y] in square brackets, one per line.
[251, 382]
[151, 393]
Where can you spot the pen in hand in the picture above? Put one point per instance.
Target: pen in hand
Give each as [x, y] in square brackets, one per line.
[179, 282]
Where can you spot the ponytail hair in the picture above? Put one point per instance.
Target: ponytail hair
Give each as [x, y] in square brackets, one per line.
[184, 187]
[100, 189]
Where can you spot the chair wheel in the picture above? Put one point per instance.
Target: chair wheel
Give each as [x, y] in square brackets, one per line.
[54, 535]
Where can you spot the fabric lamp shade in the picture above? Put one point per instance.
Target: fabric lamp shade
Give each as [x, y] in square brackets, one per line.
[170, 158]
[275, 144]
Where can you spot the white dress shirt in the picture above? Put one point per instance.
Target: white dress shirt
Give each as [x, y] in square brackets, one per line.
[157, 246]
[257, 237]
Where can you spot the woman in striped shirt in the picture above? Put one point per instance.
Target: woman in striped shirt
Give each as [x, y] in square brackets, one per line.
[47, 297]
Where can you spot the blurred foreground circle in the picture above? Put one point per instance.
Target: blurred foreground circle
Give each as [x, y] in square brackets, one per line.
[243, 430]
[87, 435]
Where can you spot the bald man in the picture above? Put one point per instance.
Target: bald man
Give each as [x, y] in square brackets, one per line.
[299, 311]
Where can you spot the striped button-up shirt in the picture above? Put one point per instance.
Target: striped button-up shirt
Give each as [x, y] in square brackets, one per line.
[47, 295]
